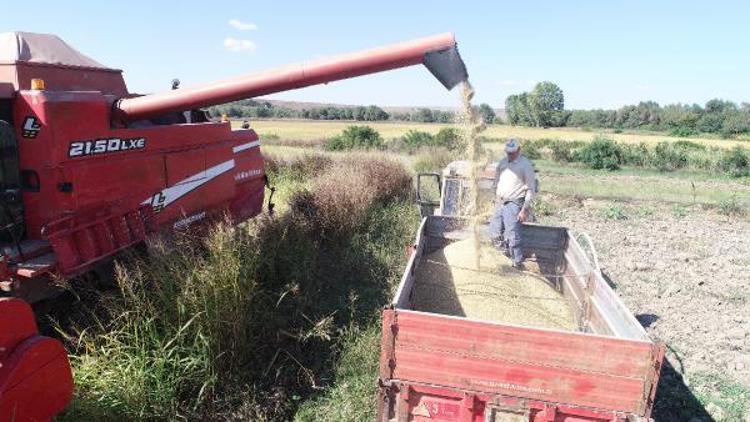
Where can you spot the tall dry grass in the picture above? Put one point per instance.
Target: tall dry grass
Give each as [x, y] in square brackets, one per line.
[241, 322]
[339, 198]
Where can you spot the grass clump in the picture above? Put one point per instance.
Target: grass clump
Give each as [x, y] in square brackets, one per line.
[531, 150]
[178, 326]
[613, 212]
[680, 211]
[355, 137]
[298, 168]
[544, 208]
[731, 207]
[353, 397]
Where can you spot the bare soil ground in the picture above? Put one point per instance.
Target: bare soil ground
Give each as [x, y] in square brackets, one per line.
[686, 275]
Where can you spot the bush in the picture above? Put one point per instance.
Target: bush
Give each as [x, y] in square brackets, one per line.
[415, 139]
[704, 160]
[531, 149]
[562, 151]
[635, 155]
[689, 145]
[683, 131]
[735, 162]
[450, 138]
[355, 137]
[601, 153]
[338, 200]
[667, 157]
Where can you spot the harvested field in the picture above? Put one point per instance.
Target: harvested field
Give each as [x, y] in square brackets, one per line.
[448, 282]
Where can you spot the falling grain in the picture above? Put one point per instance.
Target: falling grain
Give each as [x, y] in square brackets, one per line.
[472, 125]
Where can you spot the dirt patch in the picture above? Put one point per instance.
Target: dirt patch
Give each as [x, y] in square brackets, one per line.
[685, 277]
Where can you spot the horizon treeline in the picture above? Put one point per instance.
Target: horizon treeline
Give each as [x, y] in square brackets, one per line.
[544, 106]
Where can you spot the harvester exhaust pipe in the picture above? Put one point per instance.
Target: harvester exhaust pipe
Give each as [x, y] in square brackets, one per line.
[438, 53]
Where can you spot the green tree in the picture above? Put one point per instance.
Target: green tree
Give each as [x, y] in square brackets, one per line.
[424, 115]
[487, 113]
[518, 110]
[512, 110]
[719, 106]
[546, 102]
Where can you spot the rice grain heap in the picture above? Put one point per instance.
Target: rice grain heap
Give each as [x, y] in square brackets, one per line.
[448, 283]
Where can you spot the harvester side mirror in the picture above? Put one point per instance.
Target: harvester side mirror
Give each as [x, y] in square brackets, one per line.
[175, 83]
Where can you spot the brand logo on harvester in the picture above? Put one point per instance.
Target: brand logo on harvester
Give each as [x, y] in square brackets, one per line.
[105, 146]
[31, 127]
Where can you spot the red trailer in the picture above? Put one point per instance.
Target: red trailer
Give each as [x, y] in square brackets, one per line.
[437, 367]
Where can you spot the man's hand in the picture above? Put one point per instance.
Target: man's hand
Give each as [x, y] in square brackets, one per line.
[523, 215]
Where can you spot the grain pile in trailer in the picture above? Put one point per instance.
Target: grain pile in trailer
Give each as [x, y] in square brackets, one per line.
[448, 282]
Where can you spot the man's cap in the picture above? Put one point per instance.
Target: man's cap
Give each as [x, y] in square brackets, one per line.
[512, 145]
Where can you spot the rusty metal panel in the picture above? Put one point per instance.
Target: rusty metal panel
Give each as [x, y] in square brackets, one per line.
[564, 367]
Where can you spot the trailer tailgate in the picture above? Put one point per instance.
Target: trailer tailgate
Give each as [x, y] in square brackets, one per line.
[570, 368]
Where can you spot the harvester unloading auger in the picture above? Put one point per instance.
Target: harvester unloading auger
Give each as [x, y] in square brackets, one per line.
[89, 169]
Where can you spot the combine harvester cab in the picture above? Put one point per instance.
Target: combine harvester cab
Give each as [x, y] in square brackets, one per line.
[90, 169]
[445, 366]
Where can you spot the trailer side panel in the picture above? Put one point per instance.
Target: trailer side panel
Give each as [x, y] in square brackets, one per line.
[553, 366]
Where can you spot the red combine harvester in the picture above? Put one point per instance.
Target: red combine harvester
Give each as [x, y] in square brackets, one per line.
[89, 169]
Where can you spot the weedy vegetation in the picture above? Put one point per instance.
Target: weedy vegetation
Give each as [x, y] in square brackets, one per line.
[246, 322]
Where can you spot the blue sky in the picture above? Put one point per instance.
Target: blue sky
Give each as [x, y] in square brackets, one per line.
[601, 53]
